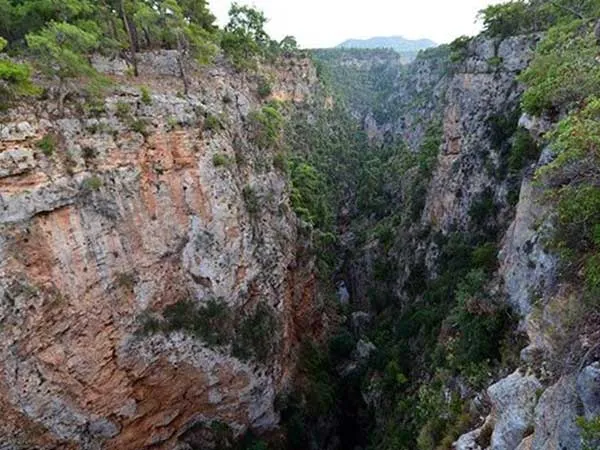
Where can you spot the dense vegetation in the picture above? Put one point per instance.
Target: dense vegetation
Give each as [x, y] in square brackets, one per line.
[563, 81]
[444, 329]
[60, 38]
[366, 81]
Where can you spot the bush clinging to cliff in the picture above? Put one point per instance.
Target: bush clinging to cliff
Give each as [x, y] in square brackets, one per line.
[564, 70]
[251, 336]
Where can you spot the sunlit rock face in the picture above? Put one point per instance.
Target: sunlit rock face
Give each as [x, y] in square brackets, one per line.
[482, 92]
[127, 213]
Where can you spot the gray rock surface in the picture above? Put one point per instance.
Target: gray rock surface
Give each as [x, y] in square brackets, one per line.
[555, 414]
[117, 224]
[476, 96]
[513, 401]
[588, 389]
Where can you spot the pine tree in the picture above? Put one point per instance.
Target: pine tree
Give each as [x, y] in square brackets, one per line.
[190, 39]
[61, 49]
[14, 79]
[244, 38]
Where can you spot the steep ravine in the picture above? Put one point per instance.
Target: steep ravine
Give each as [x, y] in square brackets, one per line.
[352, 261]
[480, 238]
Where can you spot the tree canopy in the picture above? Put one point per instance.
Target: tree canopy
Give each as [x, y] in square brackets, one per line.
[61, 36]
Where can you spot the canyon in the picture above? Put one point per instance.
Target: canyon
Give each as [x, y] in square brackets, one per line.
[331, 250]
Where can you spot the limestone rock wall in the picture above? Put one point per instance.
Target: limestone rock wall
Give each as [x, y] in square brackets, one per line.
[129, 213]
[561, 382]
[483, 89]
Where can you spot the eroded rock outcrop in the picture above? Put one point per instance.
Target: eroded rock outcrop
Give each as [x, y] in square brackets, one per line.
[133, 207]
[479, 95]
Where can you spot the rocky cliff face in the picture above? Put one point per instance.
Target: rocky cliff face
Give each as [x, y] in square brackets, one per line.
[129, 206]
[482, 91]
[536, 407]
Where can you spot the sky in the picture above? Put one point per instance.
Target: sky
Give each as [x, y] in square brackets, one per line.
[326, 23]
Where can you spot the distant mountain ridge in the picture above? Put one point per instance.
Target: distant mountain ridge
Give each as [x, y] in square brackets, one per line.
[406, 47]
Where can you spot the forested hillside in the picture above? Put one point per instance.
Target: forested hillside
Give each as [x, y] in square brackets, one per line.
[407, 48]
[58, 39]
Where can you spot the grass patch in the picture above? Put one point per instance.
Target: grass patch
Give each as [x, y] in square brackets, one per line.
[140, 126]
[93, 183]
[48, 144]
[123, 110]
[251, 200]
[146, 95]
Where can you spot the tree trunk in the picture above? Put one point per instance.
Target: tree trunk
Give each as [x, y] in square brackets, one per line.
[61, 98]
[181, 63]
[147, 38]
[131, 36]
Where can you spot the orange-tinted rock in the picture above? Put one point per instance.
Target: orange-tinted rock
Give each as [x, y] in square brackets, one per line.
[114, 225]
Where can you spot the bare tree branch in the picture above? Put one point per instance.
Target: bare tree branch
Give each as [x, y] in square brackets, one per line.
[568, 9]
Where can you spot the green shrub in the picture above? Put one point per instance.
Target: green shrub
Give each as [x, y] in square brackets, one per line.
[140, 126]
[146, 95]
[495, 62]
[264, 88]
[88, 153]
[266, 125]
[95, 107]
[576, 237]
[148, 324]
[320, 392]
[172, 123]
[524, 151]
[123, 110]
[485, 256]
[15, 80]
[221, 159]
[310, 195]
[48, 144]
[483, 208]
[502, 127]
[575, 139]
[578, 216]
[280, 161]
[93, 183]
[341, 345]
[212, 123]
[564, 70]
[577, 234]
[592, 274]
[126, 280]
[429, 149]
[251, 200]
[240, 49]
[590, 432]
[211, 322]
[250, 336]
[479, 321]
[508, 19]
[459, 49]
[255, 335]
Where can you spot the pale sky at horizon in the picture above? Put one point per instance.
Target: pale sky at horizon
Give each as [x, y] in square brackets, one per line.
[326, 23]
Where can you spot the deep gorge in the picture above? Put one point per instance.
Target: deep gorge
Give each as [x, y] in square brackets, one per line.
[277, 248]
